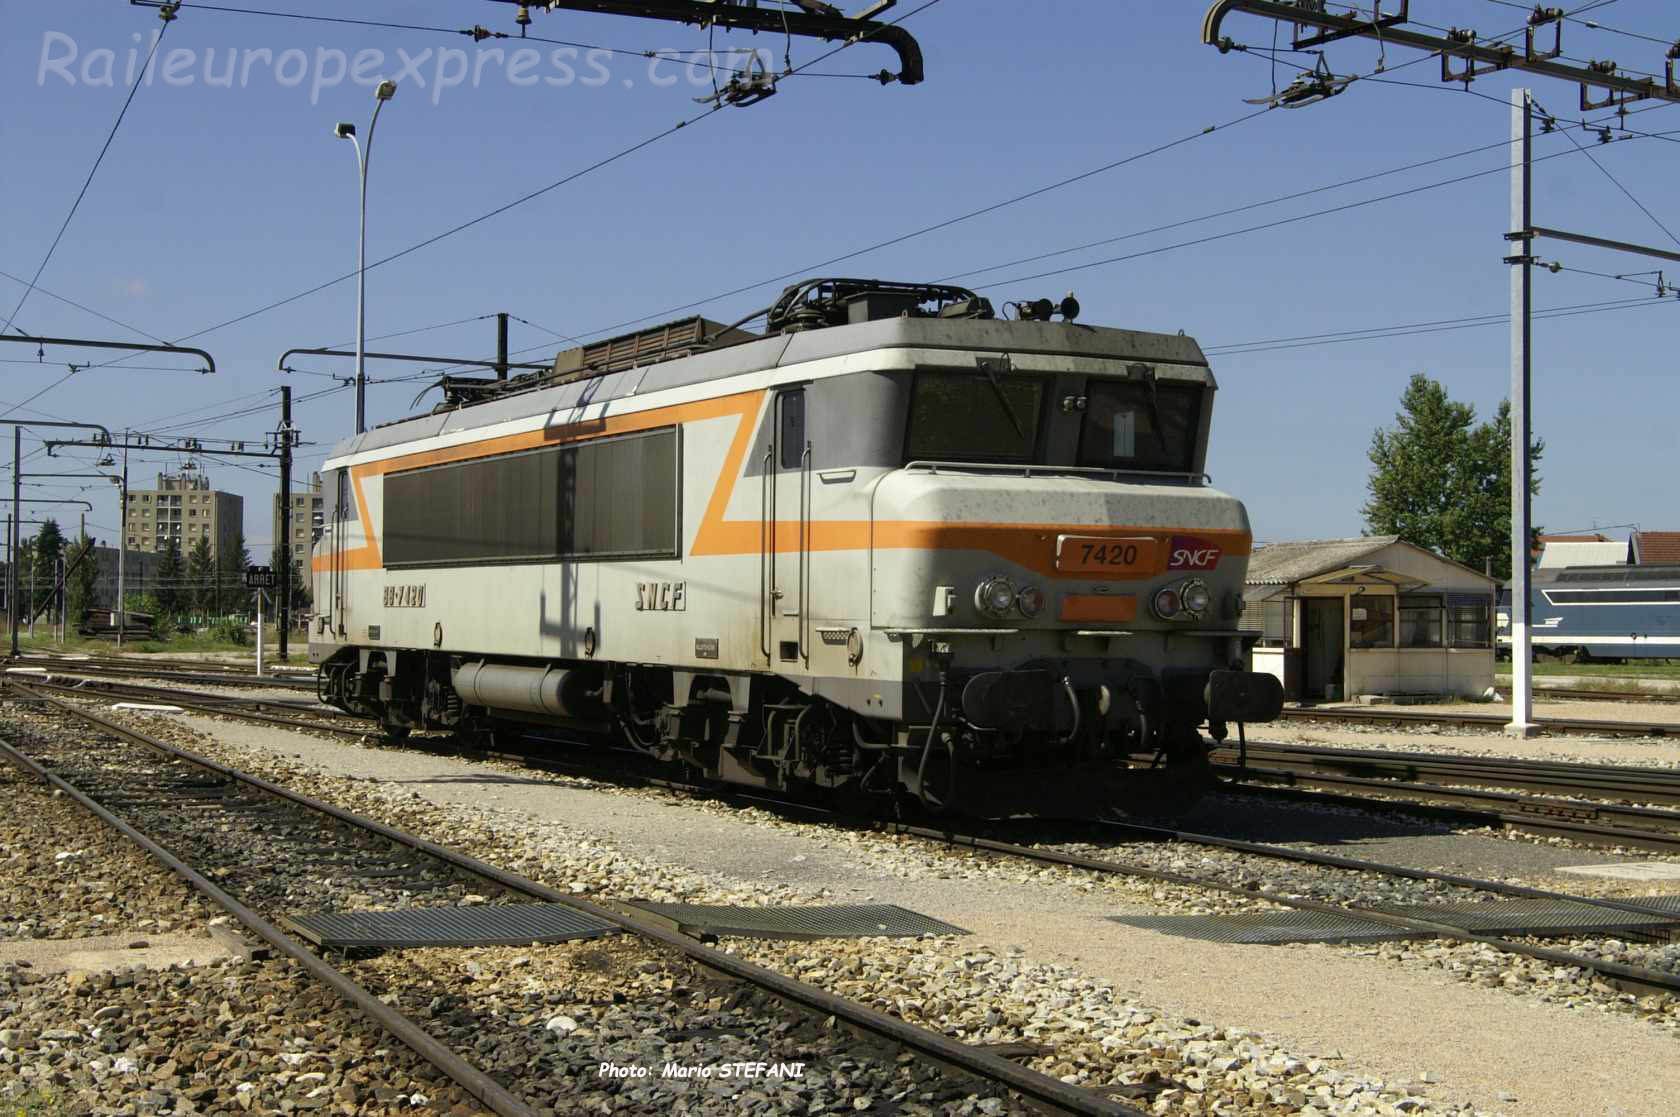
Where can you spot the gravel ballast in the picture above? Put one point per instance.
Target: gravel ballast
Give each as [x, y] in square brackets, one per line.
[1308, 1002]
[1391, 1033]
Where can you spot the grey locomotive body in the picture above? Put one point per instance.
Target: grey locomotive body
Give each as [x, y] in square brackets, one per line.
[892, 546]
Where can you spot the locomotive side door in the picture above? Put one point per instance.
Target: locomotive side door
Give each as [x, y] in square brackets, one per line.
[785, 569]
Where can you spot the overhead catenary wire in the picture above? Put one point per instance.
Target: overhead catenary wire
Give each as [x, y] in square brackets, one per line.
[87, 183]
[39, 290]
[539, 192]
[477, 33]
[1410, 329]
[1262, 227]
[934, 227]
[1619, 185]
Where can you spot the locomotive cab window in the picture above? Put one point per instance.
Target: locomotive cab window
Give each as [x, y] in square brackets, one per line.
[974, 416]
[1140, 425]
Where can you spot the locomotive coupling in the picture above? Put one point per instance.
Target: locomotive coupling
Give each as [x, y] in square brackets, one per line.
[1243, 696]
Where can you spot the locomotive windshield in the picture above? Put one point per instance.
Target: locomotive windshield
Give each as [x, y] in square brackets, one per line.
[967, 416]
[1140, 425]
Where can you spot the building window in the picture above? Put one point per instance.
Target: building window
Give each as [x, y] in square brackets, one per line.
[1371, 621]
[1468, 621]
[1420, 621]
[1275, 623]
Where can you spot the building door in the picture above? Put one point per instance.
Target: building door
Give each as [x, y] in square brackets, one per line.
[1323, 630]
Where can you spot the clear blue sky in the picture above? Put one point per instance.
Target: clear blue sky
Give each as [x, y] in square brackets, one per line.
[214, 201]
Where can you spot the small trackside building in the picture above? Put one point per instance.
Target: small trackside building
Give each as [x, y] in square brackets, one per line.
[1340, 618]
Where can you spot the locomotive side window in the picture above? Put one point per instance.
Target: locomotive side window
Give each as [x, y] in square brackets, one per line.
[612, 497]
[974, 416]
[1140, 425]
[618, 497]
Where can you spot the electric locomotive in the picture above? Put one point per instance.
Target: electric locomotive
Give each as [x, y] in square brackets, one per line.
[893, 546]
[1587, 613]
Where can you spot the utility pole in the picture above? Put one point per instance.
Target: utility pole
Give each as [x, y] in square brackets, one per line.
[285, 603]
[13, 584]
[502, 346]
[121, 612]
[1522, 290]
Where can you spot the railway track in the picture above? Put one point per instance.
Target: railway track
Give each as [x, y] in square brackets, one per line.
[1632, 979]
[1596, 781]
[1568, 726]
[1574, 694]
[186, 801]
[130, 670]
[1595, 824]
[1452, 788]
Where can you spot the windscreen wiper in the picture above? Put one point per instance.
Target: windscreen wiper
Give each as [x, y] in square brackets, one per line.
[1003, 398]
[1147, 375]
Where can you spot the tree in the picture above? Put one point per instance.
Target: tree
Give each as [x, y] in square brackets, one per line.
[301, 597]
[201, 577]
[48, 549]
[83, 589]
[1441, 480]
[230, 576]
[171, 580]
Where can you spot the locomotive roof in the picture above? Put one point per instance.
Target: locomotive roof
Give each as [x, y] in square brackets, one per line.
[796, 348]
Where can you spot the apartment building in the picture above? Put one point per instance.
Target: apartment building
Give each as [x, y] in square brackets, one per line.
[308, 512]
[185, 508]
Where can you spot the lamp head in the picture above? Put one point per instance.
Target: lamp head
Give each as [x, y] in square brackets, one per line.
[387, 89]
[345, 130]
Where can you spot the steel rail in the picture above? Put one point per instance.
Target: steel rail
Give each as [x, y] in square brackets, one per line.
[1030, 1084]
[1571, 726]
[142, 672]
[448, 1063]
[1536, 816]
[1606, 695]
[224, 707]
[1606, 781]
[1624, 977]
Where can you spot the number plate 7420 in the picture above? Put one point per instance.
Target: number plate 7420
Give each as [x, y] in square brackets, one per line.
[1089, 554]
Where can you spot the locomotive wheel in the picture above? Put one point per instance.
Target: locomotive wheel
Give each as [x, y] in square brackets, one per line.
[394, 735]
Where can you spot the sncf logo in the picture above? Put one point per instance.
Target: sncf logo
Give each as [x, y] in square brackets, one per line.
[1190, 553]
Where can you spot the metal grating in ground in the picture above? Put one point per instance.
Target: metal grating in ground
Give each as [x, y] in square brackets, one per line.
[1537, 917]
[833, 922]
[1499, 917]
[478, 925]
[1268, 928]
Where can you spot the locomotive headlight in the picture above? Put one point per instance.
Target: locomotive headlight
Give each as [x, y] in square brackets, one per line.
[1167, 604]
[1195, 597]
[995, 596]
[1030, 601]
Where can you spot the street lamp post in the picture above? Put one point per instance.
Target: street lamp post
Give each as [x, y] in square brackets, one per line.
[346, 131]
